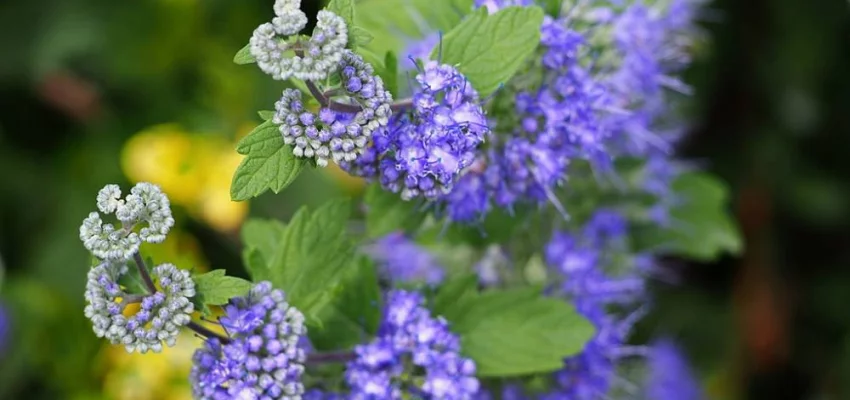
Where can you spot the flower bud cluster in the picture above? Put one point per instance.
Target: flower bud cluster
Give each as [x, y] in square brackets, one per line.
[159, 316]
[145, 203]
[408, 340]
[314, 59]
[336, 135]
[261, 359]
[422, 153]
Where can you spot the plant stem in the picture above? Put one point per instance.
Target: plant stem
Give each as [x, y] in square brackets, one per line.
[402, 104]
[132, 298]
[326, 102]
[146, 277]
[207, 333]
[330, 357]
[143, 272]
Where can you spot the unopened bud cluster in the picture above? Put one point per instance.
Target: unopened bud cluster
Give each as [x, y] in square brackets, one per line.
[158, 317]
[314, 59]
[336, 135]
[145, 204]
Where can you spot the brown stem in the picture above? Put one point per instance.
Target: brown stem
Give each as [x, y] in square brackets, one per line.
[402, 104]
[206, 332]
[143, 272]
[132, 298]
[330, 357]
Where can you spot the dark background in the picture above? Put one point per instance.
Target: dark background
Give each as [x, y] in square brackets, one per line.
[771, 117]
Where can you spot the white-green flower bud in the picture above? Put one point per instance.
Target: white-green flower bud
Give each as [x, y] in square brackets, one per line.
[160, 314]
[145, 204]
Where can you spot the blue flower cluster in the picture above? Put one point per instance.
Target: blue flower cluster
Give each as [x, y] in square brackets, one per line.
[423, 152]
[402, 260]
[261, 358]
[670, 375]
[584, 261]
[409, 339]
[591, 104]
[4, 328]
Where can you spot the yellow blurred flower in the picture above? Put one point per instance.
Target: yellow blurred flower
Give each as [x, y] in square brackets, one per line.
[179, 248]
[161, 154]
[194, 170]
[162, 376]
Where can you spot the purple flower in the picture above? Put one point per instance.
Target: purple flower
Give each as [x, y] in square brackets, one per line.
[4, 327]
[423, 152]
[261, 358]
[402, 260]
[583, 259]
[670, 375]
[408, 332]
[316, 394]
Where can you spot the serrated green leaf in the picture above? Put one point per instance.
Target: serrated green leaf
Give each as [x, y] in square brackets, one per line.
[489, 49]
[306, 258]
[511, 332]
[701, 227]
[266, 115]
[215, 288]
[243, 56]
[526, 337]
[387, 212]
[265, 134]
[390, 72]
[268, 163]
[353, 312]
[395, 22]
[454, 296]
[260, 238]
[359, 37]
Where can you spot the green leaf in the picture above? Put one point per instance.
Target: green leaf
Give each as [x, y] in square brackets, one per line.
[512, 332]
[489, 49]
[395, 22]
[132, 281]
[243, 56]
[306, 258]
[359, 37]
[387, 212]
[268, 163]
[214, 288]
[389, 74]
[701, 227]
[260, 237]
[454, 296]
[266, 115]
[525, 337]
[552, 7]
[353, 312]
